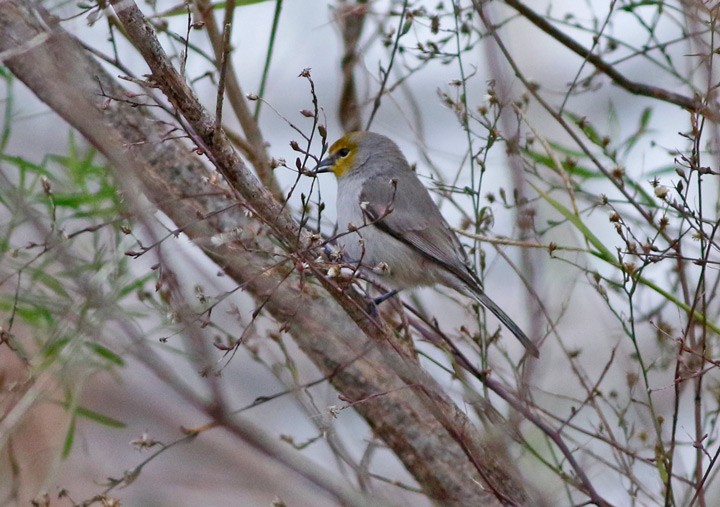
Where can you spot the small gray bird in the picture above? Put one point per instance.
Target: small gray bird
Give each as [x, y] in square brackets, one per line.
[401, 237]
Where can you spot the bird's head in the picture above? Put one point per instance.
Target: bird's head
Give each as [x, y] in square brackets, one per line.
[351, 152]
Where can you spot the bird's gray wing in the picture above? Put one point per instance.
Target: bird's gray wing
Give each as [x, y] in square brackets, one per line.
[403, 209]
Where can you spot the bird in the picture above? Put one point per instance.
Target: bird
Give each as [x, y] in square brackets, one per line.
[389, 223]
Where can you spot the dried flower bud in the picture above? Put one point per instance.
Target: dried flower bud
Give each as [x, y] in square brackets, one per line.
[618, 172]
[661, 191]
[47, 186]
[381, 268]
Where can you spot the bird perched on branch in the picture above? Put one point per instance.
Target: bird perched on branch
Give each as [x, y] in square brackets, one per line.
[394, 228]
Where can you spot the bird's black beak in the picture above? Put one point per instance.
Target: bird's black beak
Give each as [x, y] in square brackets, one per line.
[324, 166]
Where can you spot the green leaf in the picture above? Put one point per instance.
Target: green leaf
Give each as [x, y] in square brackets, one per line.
[50, 282]
[9, 110]
[642, 129]
[99, 418]
[69, 439]
[406, 26]
[572, 169]
[105, 353]
[603, 253]
[25, 165]
[91, 415]
[587, 129]
[32, 314]
[135, 285]
[78, 200]
[660, 460]
[53, 348]
[643, 3]
[601, 250]
[661, 171]
[645, 118]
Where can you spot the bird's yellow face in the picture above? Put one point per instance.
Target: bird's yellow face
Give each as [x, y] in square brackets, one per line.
[342, 156]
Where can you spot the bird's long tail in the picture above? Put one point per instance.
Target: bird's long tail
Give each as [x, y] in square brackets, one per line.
[505, 319]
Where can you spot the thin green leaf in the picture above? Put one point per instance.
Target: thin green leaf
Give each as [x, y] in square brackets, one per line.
[602, 251]
[268, 56]
[587, 129]
[78, 200]
[53, 348]
[9, 109]
[661, 171]
[105, 353]
[135, 285]
[52, 283]
[642, 129]
[69, 438]
[34, 315]
[573, 169]
[92, 415]
[406, 26]
[25, 165]
[99, 418]
[645, 118]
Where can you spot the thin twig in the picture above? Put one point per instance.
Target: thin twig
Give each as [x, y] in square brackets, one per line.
[222, 63]
[268, 56]
[691, 104]
[386, 72]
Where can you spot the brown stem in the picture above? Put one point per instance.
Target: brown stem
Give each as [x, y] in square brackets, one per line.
[350, 19]
[258, 154]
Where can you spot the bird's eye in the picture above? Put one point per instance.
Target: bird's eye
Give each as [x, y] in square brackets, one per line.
[343, 152]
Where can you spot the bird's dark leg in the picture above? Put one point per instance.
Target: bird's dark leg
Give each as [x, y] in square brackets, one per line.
[373, 304]
[384, 297]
